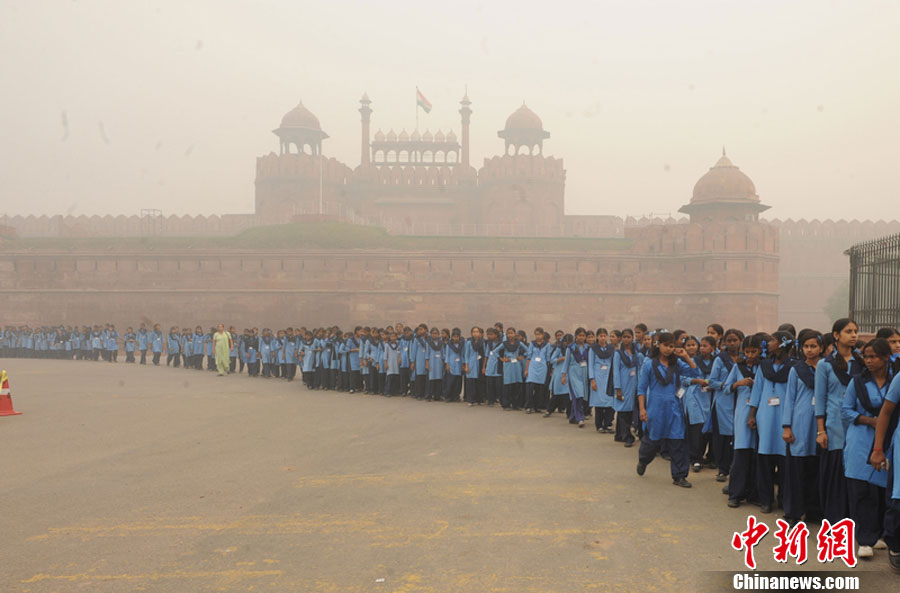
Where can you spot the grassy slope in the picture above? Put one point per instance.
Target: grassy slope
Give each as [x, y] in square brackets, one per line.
[318, 235]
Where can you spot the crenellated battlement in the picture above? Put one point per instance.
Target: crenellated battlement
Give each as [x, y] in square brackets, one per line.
[522, 166]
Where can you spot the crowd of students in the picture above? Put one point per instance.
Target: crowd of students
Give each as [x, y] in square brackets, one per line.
[800, 422]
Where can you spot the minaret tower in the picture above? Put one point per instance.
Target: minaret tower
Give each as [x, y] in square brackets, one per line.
[366, 113]
[466, 113]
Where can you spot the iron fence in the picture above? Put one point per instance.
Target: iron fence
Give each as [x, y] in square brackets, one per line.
[875, 283]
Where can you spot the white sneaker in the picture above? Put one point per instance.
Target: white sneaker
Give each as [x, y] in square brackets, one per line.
[880, 545]
[865, 552]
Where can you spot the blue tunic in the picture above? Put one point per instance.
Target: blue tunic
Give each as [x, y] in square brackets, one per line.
[512, 370]
[129, 342]
[435, 354]
[392, 356]
[308, 352]
[142, 339]
[829, 399]
[625, 379]
[859, 437]
[744, 436]
[767, 397]
[173, 344]
[353, 350]
[558, 358]
[538, 357]
[492, 366]
[599, 370]
[798, 411]
[723, 401]
[473, 357]
[418, 355]
[893, 396]
[454, 358]
[665, 414]
[156, 341]
[576, 371]
[697, 398]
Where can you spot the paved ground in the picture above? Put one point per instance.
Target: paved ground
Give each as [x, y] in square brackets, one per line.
[122, 478]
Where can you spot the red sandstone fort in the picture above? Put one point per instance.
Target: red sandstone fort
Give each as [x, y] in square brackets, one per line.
[721, 263]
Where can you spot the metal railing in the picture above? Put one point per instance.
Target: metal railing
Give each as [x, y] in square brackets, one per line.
[875, 283]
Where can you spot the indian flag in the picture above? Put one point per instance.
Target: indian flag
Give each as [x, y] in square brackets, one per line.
[422, 102]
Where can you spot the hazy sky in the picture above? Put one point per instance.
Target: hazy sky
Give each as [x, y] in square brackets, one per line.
[113, 106]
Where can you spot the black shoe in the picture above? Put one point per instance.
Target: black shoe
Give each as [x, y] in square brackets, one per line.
[641, 468]
[725, 490]
[573, 421]
[546, 415]
[696, 467]
[766, 508]
[629, 444]
[721, 477]
[894, 560]
[681, 482]
[666, 456]
[711, 464]
[734, 503]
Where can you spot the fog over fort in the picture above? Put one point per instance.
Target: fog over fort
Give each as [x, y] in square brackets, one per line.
[113, 107]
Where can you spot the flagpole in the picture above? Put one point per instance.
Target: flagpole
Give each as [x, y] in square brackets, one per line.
[417, 109]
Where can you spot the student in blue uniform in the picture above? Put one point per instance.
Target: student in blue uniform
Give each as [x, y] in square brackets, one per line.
[537, 370]
[186, 352]
[130, 344]
[307, 355]
[721, 415]
[197, 349]
[391, 364]
[234, 353]
[742, 478]
[575, 375]
[453, 366]
[173, 348]
[659, 394]
[289, 355]
[209, 349]
[862, 404]
[143, 339]
[512, 355]
[559, 392]
[434, 365]
[354, 347]
[406, 341]
[418, 354]
[697, 397]
[266, 352]
[156, 343]
[769, 388]
[627, 362]
[112, 344]
[493, 368]
[885, 458]
[600, 373]
[473, 357]
[798, 412]
[832, 377]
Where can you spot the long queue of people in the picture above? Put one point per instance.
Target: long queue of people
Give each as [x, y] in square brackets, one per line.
[803, 422]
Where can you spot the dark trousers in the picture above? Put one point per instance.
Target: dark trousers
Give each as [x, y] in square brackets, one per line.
[769, 473]
[535, 395]
[210, 362]
[576, 408]
[493, 387]
[267, 369]
[156, 356]
[677, 448]
[511, 396]
[558, 402]
[452, 387]
[623, 428]
[143, 357]
[833, 486]
[232, 364]
[171, 357]
[355, 380]
[801, 488]
[404, 381]
[867, 507]
[253, 368]
[742, 481]
[392, 384]
[891, 517]
[435, 389]
[129, 356]
[697, 442]
[603, 417]
[420, 386]
[474, 390]
[722, 446]
[380, 381]
[308, 378]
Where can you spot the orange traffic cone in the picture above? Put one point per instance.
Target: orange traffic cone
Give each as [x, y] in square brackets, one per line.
[6, 407]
